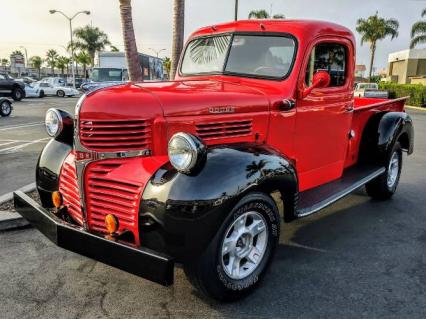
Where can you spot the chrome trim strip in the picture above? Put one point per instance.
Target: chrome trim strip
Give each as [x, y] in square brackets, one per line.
[93, 156]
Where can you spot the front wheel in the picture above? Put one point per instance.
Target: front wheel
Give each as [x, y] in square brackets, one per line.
[60, 93]
[384, 186]
[18, 94]
[41, 95]
[241, 251]
[5, 108]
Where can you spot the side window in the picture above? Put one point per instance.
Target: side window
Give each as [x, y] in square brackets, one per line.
[329, 57]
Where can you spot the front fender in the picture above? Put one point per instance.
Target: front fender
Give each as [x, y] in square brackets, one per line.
[191, 208]
[48, 169]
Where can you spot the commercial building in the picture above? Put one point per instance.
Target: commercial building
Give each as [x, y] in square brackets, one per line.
[408, 66]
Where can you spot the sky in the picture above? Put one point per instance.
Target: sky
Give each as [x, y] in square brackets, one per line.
[28, 23]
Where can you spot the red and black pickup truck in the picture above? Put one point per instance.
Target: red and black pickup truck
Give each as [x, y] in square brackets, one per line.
[146, 175]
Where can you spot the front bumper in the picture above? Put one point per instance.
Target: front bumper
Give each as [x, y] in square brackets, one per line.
[142, 262]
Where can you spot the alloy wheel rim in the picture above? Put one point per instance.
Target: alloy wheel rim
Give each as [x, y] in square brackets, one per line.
[393, 170]
[244, 245]
[5, 107]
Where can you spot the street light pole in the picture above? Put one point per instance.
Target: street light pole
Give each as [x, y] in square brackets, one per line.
[236, 10]
[71, 42]
[26, 55]
[157, 52]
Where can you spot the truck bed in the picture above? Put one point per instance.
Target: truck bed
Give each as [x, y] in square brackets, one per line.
[364, 108]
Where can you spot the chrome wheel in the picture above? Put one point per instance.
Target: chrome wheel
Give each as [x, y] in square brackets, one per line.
[244, 245]
[5, 108]
[393, 170]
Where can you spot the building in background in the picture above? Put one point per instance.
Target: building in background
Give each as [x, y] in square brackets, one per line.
[408, 66]
[360, 70]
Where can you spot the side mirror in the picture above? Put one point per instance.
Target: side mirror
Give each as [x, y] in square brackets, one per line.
[320, 80]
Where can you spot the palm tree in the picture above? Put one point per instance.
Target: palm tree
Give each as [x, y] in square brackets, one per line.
[178, 34]
[258, 14]
[373, 29]
[51, 58]
[61, 63]
[36, 62]
[167, 63]
[84, 59]
[132, 56]
[113, 48]
[90, 39]
[418, 32]
[17, 52]
[4, 62]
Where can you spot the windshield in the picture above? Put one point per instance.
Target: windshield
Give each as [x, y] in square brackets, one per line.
[105, 75]
[250, 55]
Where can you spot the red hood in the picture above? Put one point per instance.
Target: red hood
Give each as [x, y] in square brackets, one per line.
[177, 98]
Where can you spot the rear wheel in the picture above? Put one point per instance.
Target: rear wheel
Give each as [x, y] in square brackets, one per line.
[384, 186]
[241, 251]
[18, 94]
[60, 93]
[5, 108]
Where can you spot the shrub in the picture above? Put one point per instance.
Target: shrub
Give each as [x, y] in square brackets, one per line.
[417, 92]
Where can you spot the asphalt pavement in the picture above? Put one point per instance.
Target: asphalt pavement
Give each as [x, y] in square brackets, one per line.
[22, 137]
[356, 259]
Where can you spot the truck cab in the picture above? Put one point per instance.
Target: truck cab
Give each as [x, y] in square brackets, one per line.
[147, 174]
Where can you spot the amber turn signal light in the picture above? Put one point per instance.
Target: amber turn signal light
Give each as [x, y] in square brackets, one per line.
[57, 199]
[111, 223]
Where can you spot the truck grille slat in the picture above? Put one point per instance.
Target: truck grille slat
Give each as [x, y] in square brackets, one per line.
[68, 187]
[224, 129]
[115, 135]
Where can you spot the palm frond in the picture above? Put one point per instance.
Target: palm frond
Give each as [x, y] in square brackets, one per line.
[418, 28]
[204, 51]
[417, 40]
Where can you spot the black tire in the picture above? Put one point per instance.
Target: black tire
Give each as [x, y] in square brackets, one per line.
[208, 274]
[5, 108]
[41, 94]
[379, 188]
[18, 94]
[60, 93]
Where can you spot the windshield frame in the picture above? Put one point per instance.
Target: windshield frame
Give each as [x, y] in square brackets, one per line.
[245, 75]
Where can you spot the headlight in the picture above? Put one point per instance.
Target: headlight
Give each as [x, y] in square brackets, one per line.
[185, 151]
[53, 122]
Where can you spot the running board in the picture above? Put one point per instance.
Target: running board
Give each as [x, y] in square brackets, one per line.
[315, 199]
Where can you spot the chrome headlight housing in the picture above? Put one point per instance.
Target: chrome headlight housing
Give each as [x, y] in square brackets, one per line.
[185, 152]
[59, 125]
[53, 122]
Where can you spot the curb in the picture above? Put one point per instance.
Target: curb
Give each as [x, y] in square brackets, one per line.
[10, 220]
[416, 108]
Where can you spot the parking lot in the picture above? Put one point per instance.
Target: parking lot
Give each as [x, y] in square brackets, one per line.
[357, 259]
[22, 136]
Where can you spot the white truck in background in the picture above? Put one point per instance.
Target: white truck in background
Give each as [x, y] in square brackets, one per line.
[370, 90]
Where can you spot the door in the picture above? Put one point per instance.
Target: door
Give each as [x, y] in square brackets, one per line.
[4, 84]
[324, 117]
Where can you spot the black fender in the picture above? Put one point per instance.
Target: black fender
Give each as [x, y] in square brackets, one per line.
[48, 169]
[191, 208]
[382, 131]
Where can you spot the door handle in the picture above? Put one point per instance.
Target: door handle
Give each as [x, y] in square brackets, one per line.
[287, 105]
[349, 108]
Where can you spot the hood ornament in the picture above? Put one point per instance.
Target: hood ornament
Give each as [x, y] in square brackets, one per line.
[221, 109]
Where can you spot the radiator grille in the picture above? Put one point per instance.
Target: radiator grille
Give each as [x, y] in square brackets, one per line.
[68, 187]
[115, 135]
[224, 129]
[106, 195]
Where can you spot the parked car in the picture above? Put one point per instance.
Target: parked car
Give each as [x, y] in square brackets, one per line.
[33, 91]
[151, 174]
[5, 107]
[370, 90]
[10, 87]
[61, 91]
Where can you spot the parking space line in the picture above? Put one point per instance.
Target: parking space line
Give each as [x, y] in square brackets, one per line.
[12, 127]
[18, 147]
[7, 143]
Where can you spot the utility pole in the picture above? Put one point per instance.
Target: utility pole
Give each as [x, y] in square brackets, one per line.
[236, 10]
[71, 43]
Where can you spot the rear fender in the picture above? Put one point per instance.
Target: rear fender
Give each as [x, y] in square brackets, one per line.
[191, 208]
[382, 131]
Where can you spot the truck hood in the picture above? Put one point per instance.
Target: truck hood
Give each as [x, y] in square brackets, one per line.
[177, 98]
